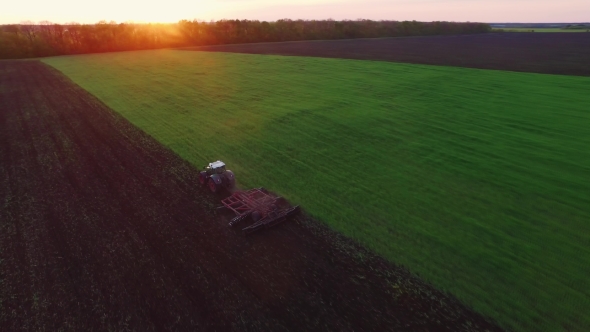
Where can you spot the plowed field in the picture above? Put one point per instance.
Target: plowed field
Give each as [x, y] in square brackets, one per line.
[101, 227]
[553, 53]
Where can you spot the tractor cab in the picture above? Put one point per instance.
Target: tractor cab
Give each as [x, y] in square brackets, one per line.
[216, 167]
[216, 176]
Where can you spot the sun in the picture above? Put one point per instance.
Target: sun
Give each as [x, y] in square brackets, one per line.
[157, 12]
[169, 11]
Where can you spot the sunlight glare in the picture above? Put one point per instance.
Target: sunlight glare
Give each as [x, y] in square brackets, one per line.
[62, 11]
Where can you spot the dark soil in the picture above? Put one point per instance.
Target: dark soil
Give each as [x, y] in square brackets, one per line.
[549, 53]
[102, 228]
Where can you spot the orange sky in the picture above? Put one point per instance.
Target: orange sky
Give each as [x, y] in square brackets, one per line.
[62, 11]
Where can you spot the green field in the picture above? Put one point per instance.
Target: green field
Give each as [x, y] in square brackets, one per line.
[477, 180]
[538, 30]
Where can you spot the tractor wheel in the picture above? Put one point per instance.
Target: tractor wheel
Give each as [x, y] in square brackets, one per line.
[256, 215]
[203, 178]
[230, 180]
[212, 186]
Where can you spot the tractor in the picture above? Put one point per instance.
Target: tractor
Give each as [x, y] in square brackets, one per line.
[216, 177]
[258, 206]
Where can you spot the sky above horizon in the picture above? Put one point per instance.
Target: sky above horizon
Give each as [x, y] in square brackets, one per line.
[66, 11]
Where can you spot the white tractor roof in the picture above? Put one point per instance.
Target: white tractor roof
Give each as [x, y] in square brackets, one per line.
[216, 164]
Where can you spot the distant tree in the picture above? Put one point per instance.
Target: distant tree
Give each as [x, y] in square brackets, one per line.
[45, 38]
[30, 30]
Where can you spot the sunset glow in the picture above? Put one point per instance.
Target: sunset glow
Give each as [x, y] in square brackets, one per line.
[63, 11]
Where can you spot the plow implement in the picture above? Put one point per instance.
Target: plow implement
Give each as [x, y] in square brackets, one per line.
[260, 207]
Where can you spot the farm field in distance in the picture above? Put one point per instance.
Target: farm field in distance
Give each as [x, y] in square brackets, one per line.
[540, 30]
[554, 53]
[476, 180]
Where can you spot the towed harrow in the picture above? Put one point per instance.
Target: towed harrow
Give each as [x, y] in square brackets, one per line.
[259, 206]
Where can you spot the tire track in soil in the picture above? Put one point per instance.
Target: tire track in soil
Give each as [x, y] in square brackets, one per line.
[104, 228]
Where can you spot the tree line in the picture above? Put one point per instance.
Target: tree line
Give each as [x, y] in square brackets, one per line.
[48, 39]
